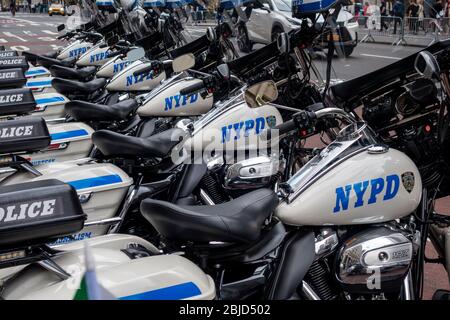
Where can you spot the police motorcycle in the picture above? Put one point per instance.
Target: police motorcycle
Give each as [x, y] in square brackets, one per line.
[34, 214]
[358, 240]
[407, 107]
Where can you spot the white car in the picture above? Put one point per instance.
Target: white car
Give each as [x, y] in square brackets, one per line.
[275, 16]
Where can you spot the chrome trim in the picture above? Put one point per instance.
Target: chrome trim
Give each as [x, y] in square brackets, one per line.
[103, 222]
[309, 292]
[52, 266]
[206, 198]
[132, 190]
[408, 291]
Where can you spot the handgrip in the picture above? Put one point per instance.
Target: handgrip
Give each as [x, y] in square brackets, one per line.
[146, 70]
[192, 88]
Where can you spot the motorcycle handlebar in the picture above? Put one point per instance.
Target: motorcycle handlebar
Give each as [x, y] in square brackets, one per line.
[147, 69]
[192, 88]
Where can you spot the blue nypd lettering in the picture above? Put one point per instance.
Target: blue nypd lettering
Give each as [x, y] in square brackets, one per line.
[77, 52]
[137, 79]
[377, 189]
[243, 128]
[120, 66]
[99, 56]
[178, 100]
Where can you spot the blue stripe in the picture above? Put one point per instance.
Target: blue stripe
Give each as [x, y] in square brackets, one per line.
[95, 182]
[69, 134]
[176, 292]
[103, 3]
[29, 73]
[39, 83]
[48, 100]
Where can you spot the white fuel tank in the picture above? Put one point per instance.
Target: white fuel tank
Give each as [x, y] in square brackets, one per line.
[112, 67]
[157, 277]
[74, 49]
[233, 127]
[365, 188]
[168, 102]
[126, 81]
[100, 186]
[95, 56]
[50, 105]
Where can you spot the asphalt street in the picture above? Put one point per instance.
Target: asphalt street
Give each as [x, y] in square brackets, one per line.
[37, 33]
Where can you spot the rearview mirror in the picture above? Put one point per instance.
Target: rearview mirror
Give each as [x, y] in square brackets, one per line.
[426, 65]
[135, 54]
[183, 62]
[261, 93]
[266, 7]
[61, 27]
[211, 34]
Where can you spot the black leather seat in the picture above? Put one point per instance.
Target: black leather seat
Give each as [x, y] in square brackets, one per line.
[86, 111]
[73, 73]
[48, 62]
[66, 86]
[113, 144]
[32, 57]
[237, 221]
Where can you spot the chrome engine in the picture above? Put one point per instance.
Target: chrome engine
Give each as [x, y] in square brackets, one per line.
[374, 260]
[252, 173]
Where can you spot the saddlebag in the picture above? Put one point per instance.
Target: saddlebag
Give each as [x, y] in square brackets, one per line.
[14, 62]
[26, 134]
[16, 102]
[69, 141]
[12, 78]
[36, 212]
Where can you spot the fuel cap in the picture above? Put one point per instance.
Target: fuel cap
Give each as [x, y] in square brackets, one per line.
[378, 148]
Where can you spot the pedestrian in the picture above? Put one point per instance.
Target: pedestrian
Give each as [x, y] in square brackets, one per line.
[445, 23]
[12, 6]
[29, 5]
[399, 13]
[413, 13]
[421, 15]
[383, 13]
[374, 20]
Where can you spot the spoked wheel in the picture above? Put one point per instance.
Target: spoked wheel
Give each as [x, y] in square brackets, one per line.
[244, 43]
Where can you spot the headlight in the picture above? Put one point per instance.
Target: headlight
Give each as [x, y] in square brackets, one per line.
[292, 21]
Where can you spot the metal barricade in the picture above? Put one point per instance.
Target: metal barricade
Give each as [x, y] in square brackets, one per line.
[425, 28]
[381, 26]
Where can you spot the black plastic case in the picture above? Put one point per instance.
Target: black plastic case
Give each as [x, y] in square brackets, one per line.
[38, 212]
[16, 102]
[12, 78]
[14, 62]
[8, 53]
[26, 134]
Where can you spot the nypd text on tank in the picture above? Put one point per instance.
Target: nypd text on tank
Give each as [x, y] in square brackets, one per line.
[179, 100]
[390, 185]
[243, 128]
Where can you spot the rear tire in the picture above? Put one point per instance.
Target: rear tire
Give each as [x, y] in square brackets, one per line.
[348, 51]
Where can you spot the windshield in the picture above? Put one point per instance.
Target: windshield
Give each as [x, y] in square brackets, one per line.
[283, 5]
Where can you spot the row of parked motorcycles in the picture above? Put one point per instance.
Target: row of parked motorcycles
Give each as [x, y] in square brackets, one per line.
[189, 174]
